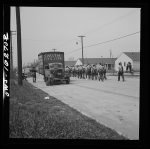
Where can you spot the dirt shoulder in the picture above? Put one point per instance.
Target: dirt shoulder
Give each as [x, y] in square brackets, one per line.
[33, 116]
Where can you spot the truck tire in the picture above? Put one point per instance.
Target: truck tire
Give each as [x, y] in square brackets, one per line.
[45, 79]
[51, 82]
[67, 81]
[47, 83]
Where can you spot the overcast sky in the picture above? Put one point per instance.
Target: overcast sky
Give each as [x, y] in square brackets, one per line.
[46, 28]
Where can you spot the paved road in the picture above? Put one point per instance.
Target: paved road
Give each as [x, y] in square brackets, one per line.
[112, 103]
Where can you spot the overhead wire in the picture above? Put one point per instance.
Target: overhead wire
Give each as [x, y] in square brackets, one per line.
[104, 25]
[105, 41]
[108, 23]
[112, 39]
[89, 32]
[112, 21]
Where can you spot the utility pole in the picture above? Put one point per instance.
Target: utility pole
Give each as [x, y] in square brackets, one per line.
[82, 48]
[11, 48]
[54, 50]
[19, 48]
[11, 53]
[110, 53]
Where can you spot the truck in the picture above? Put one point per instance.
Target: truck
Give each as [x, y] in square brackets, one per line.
[52, 67]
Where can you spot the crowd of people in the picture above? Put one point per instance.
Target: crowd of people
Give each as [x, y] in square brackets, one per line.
[93, 72]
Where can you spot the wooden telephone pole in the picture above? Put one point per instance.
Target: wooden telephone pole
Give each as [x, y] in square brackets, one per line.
[11, 51]
[19, 48]
[54, 50]
[82, 48]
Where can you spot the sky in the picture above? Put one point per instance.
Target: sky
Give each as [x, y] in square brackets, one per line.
[47, 28]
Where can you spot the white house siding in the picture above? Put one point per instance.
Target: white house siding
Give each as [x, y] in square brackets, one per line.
[78, 62]
[136, 66]
[123, 59]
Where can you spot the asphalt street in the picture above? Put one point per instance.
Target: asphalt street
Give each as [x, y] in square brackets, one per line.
[111, 103]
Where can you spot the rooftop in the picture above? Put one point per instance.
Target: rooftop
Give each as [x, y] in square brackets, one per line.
[98, 60]
[135, 56]
[70, 63]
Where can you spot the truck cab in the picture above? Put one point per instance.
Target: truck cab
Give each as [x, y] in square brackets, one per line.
[55, 72]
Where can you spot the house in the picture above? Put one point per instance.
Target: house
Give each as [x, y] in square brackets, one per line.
[70, 63]
[132, 57]
[110, 62]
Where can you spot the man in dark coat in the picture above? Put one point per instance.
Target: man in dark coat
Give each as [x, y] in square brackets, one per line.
[104, 71]
[34, 74]
[120, 72]
[100, 72]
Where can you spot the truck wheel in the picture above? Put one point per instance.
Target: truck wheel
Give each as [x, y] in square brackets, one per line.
[47, 83]
[67, 81]
[51, 82]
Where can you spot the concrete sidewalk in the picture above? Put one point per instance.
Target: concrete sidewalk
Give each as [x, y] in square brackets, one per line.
[136, 74]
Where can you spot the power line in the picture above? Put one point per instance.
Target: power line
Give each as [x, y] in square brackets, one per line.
[113, 39]
[106, 24]
[113, 21]
[105, 41]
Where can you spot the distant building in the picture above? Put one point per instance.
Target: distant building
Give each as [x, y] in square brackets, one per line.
[132, 57]
[70, 63]
[110, 62]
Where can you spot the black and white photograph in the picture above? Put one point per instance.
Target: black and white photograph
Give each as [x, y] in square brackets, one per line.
[75, 73]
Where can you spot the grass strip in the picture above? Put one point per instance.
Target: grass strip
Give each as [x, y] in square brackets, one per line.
[32, 116]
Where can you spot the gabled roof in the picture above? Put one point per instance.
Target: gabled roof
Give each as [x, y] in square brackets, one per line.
[70, 63]
[98, 60]
[135, 56]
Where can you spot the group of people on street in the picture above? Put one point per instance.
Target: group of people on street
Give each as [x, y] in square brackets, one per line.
[94, 72]
[129, 67]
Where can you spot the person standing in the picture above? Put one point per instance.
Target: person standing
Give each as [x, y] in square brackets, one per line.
[34, 74]
[120, 72]
[104, 71]
[127, 67]
[130, 67]
[92, 72]
[73, 71]
[100, 72]
[88, 71]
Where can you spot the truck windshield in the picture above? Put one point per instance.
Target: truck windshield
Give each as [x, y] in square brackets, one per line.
[46, 67]
[55, 65]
